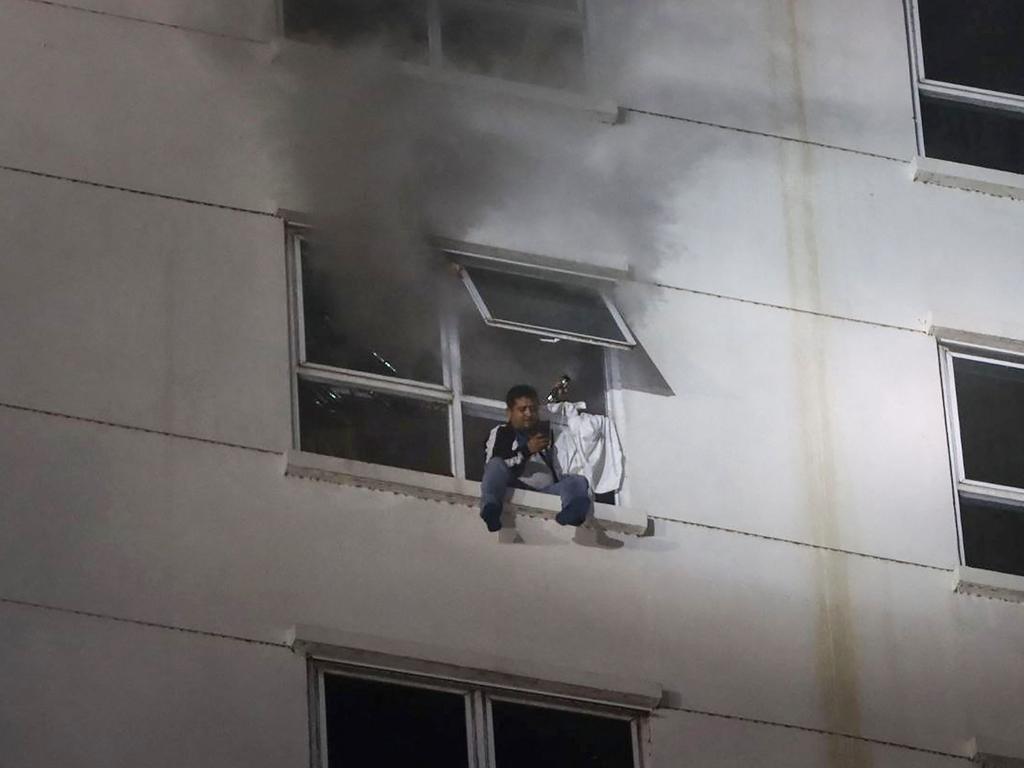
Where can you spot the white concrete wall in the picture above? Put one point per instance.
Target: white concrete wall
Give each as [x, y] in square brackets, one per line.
[799, 571]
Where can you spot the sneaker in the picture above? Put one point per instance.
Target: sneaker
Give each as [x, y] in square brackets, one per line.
[491, 515]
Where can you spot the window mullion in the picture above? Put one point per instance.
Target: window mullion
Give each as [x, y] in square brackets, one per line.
[418, 390]
[452, 364]
[970, 95]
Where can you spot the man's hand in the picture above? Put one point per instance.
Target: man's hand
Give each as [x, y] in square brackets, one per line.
[538, 442]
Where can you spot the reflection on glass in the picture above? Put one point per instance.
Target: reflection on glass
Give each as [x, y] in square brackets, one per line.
[993, 536]
[357, 318]
[399, 24]
[373, 723]
[990, 403]
[512, 46]
[374, 427]
[527, 736]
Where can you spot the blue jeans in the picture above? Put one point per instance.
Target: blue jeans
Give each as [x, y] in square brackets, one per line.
[572, 489]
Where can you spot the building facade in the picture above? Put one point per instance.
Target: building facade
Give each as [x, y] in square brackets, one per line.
[813, 560]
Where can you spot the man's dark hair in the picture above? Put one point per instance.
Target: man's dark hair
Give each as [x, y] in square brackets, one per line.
[518, 391]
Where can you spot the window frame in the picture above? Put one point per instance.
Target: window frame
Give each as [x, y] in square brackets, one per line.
[1005, 495]
[477, 697]
[940, 89]
[436, 66]
[449, 392]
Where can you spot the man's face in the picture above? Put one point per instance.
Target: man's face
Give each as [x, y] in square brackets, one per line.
[524, 414]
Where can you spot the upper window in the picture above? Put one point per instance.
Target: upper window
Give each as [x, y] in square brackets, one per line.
[369, 718]
[986, 403]
[539, 42]
[388, 372]
[971, 81]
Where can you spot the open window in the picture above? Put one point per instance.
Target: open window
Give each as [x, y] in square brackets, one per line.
[971, 81]
[370, 717]
[536, 42]
[389, 372]
[985, 402]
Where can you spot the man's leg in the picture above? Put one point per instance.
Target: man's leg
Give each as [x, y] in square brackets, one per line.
[573, 490]
[495, 481]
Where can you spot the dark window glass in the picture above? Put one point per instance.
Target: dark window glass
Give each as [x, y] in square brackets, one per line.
[371, 723]
[990, 403]
[401, 24]
[373, 427]
[512, 46]
[546, 304]
[993, 536]
[357, 318]
[494, 359]
[965, 133]
[475, 430]
[974, 42]
[538, 737]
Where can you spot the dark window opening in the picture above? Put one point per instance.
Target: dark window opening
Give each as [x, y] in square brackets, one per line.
[399, 24]
[512, 46]
[993, 535]
[371, 723]
[374, 427]
[990, 404]
[971, 134]
[976, 43]
[528, 736]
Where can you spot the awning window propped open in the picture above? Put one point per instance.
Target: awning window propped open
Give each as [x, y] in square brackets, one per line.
[555, 309]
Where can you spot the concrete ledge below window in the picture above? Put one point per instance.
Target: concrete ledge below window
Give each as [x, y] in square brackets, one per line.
[472, 667]
[970, 177]
[976, 581]
[423, 485]
[990, 755]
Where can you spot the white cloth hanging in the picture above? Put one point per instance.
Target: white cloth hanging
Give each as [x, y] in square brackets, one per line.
[587, 444]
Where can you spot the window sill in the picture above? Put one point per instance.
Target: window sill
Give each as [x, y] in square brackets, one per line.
[928, 170]
[982, 583]
[423, 485]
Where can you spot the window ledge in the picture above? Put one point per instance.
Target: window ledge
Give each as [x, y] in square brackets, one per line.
[982, 583]
[423, 485]
[945, 173]
[986, 755]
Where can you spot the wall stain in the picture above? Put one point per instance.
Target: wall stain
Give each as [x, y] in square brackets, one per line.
[836, 660]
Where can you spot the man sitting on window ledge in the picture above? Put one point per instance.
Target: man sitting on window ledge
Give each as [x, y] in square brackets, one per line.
[519, 456]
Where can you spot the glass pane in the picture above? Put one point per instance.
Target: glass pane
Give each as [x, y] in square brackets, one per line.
[401, 24]
[538, 737]
[475, 430]
[512, 46]
[974, 42]
[546, 304]
[964, 133]
[993, 536]
[359, 319]
[373, 723]
[495, 359]
[374, 427]
[990, 402]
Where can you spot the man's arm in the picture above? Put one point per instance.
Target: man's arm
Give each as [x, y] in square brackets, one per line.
[499, 445]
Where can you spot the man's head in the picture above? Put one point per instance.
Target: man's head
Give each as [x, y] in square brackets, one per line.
[523, 407]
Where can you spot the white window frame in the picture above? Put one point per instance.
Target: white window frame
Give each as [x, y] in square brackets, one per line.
[448, 392]
[601, 341]
[944, 90]
[972, 489]
[478, 712]
[577, 19]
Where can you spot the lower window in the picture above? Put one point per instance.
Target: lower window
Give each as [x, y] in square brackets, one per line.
[381, 718]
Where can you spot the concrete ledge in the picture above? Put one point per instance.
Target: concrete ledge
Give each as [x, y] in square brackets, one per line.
[472, 667]
[982, 754]
[423, 485]
[970, 177]
[982, 583]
